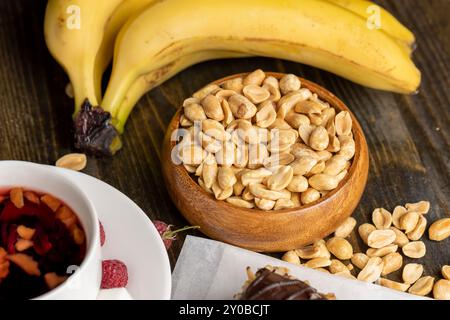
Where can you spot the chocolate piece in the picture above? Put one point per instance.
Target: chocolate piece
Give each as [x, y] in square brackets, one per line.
[269, 285]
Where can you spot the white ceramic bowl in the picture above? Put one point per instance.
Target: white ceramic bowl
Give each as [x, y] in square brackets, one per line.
[84, 281]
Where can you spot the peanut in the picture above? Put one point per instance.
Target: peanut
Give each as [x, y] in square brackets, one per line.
[340, 248]
[345, 229]
[73, 161]
[441, 290]
[422, 287]
[439, 230]
[412, 272]
[414, 249]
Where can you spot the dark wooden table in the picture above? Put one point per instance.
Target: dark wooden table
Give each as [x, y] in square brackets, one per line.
[408, 136]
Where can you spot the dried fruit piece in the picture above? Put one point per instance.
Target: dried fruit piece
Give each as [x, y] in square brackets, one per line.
[372, 271]
[380, 238]
[22, 245]
[72, 161]
[340, 248]
[78, 235]
[16, 197]
[26, 263]
[291, 257]
[392, 262]
[422, 287]
[381, 218]
[393, 284]
[421, 207]
[31, 196]
[441, 290]
[25, 233]
[53, 280]
[414, 249]
[412, 272]
[439, 230]
[345, 229]
[51, 202]
[114, 274]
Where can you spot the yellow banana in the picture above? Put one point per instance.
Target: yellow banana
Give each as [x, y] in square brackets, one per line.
[74, 32]
[314, 32]
[154, 78]
[125, 10]
[387, 22]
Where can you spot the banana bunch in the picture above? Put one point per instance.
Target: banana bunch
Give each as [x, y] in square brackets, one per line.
[152, 40]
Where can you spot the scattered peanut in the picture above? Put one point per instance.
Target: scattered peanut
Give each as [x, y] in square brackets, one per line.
[380, 238]
[340, 248]
[441, 290]
[291, 257]
[409, 221]
[412, 272]
[393, 284]
[419, 229]
[381, 218]
[421, 207]
[360, 260]
[414, 249]
[345, 229]
[439, 230]
[446, 272]
[392, 262]
[398, 212]
[372, 271]
[365, 230]
[72, 161]
[318, 263]
[400, 238]
[381, 252]
[422, 287]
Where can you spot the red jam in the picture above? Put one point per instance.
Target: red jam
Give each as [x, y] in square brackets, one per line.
[41, 242]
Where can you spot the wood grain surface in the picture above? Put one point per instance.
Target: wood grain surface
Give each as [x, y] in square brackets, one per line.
[408, 136]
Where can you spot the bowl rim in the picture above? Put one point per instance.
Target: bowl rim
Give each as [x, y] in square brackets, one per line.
[323, 94]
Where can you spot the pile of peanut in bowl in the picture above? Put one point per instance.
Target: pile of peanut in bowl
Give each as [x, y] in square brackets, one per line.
[261, 142]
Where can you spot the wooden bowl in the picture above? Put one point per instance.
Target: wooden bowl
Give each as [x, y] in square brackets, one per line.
[268, 231]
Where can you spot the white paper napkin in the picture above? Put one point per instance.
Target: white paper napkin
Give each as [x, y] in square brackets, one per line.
[208, 269]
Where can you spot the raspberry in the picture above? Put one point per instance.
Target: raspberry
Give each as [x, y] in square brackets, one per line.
[115, 274]
[102, 234]
[167, 235]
